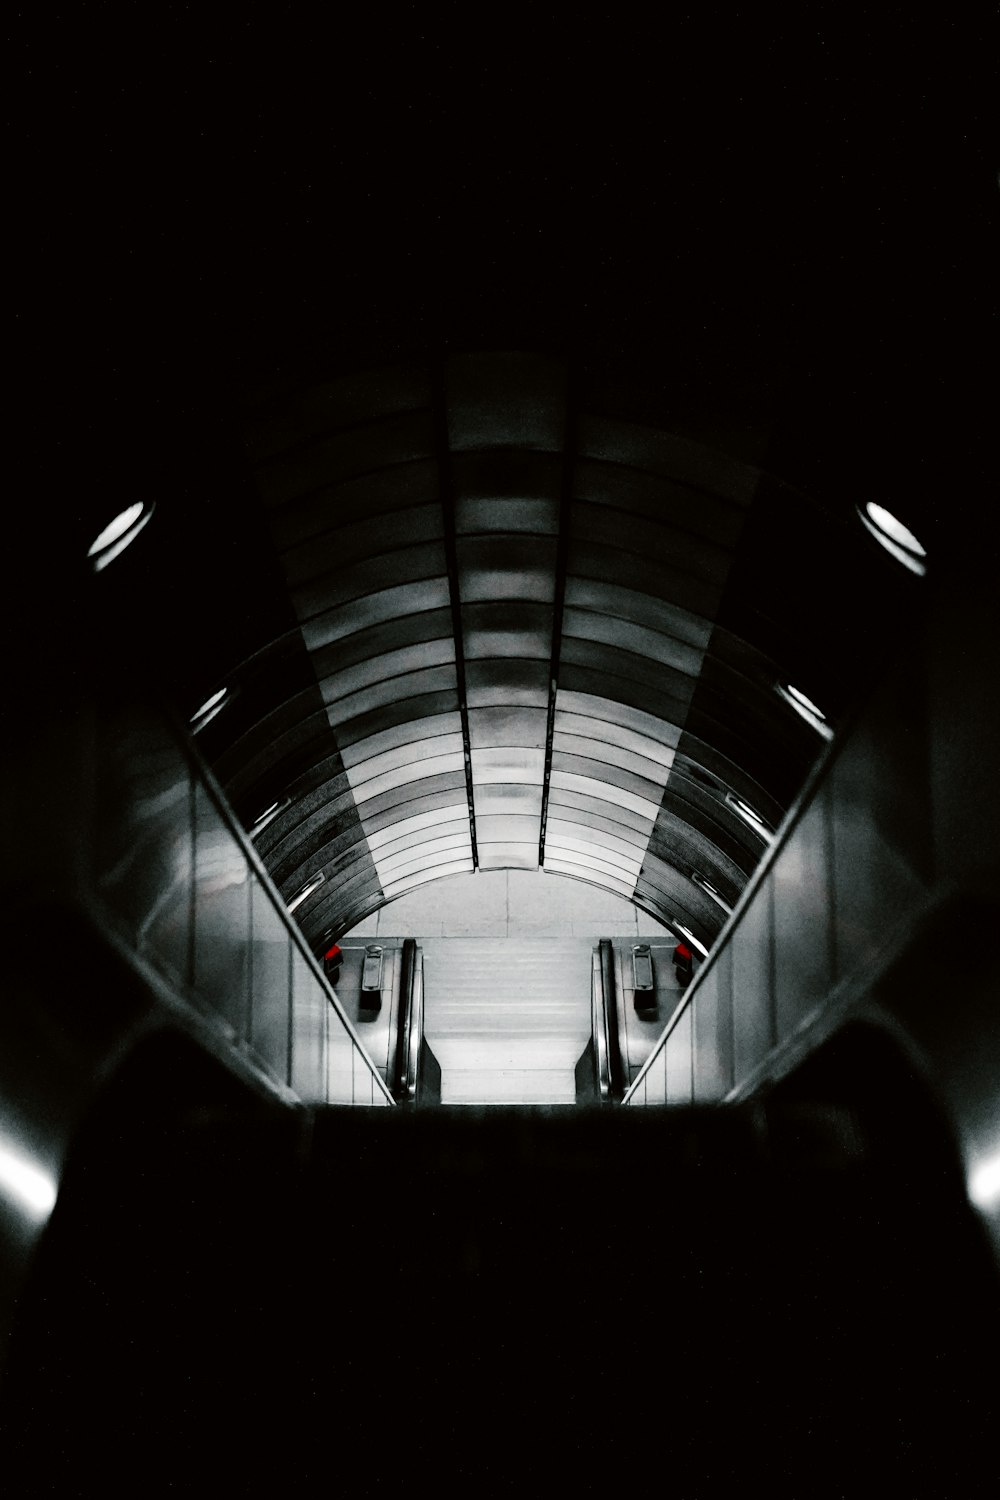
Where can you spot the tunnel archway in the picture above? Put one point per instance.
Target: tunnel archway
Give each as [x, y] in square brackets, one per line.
[538, 617]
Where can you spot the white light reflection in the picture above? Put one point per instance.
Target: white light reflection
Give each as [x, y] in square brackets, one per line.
[984, 1184]
[806, 702]
[119, 533]
[22, 1180]
[806, 709]
[748, 815]
[307, 890]
[268, 816]
[709, 889]
[208, 709]
[897, 539]
[690, 937]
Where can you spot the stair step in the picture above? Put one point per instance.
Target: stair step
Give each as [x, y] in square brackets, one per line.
[507, 1019]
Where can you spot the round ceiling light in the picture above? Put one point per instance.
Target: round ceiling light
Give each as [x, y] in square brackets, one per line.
[119, 533]
[897, 539]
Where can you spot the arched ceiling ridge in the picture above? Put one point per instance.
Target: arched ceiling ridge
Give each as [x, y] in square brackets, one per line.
[531, 634]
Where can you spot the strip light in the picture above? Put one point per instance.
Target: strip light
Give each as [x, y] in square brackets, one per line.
[208, 710]
[709, 889]
[806, 709]
[897, 539]
[306, 891]
[690, 938]
[268, 816]
[751, 818]
[119, 533]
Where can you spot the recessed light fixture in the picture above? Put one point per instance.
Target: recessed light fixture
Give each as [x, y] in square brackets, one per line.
[806, 709]
[268, 816]
[208, 710]
[984, 1183]
[306, 891]
[26, 1182]
[119, 533]
[897, 538]
[709, 889]
[690, 938]
[750, 817]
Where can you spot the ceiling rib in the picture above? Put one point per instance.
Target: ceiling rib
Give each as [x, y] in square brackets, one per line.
[558, 606]
[443, 449]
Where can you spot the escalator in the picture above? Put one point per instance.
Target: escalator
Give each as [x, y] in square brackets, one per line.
[507, 1018]
[777, 1272]
[240, 1291]
[380, 987]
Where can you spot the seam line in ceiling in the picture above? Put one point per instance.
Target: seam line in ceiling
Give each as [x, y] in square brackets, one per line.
[451, 561]
[570, 440]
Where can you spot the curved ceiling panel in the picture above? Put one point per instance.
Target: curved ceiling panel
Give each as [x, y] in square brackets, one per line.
[530, 631]
[532, 607]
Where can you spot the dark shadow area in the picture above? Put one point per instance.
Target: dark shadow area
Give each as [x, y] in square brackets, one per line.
[593, 1299]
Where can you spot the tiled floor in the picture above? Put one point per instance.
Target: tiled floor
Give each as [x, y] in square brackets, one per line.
[508, 903]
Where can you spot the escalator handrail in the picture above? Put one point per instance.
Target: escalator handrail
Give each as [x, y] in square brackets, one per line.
[416, 1028]
[599, 1026]
[410, 1031]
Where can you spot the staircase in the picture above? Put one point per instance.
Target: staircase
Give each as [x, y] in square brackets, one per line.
[507, 1018]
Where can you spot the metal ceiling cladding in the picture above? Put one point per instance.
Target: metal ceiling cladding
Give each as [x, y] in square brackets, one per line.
[562, 446]
[530, 630]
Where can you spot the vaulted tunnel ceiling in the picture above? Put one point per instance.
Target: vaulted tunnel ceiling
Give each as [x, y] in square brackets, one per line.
[533, 626]
[507, 417]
